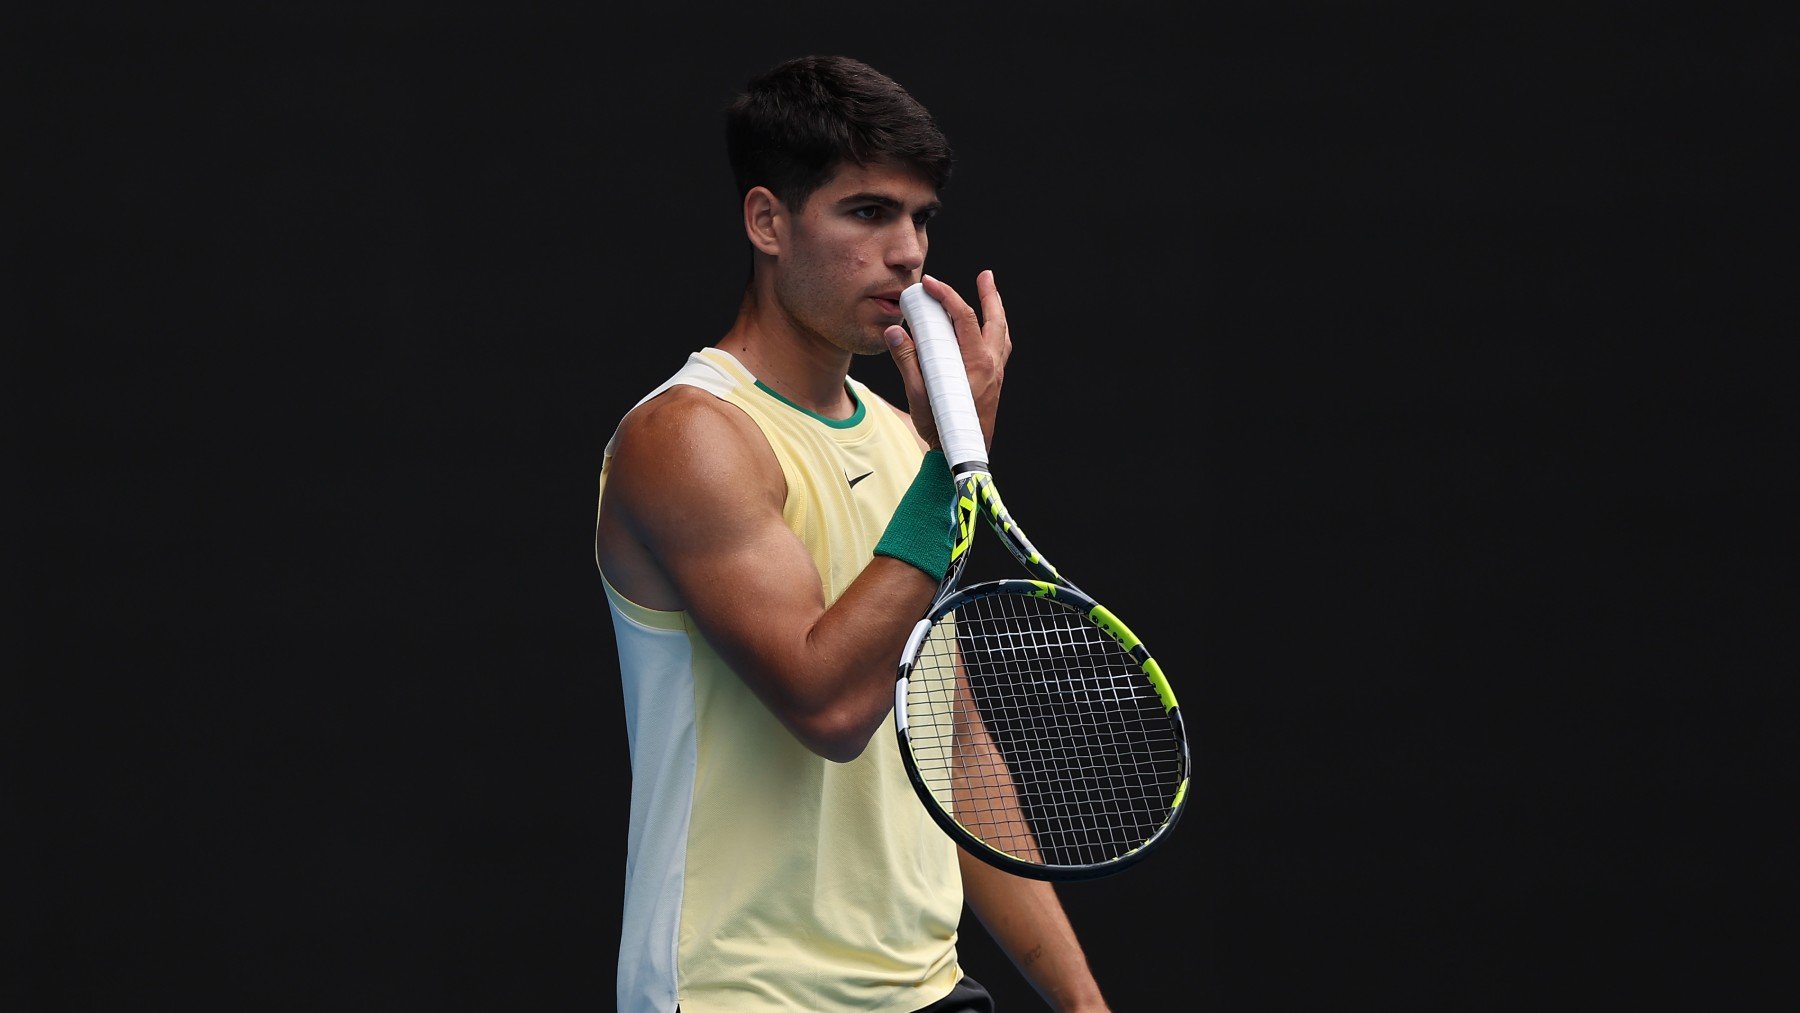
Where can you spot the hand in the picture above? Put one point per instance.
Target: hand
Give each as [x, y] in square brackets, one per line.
[986, 344]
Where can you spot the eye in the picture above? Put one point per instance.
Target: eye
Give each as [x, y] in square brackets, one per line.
[869, 212]
[923, 217]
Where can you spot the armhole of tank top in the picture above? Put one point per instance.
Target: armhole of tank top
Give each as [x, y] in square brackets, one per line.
[643, 615]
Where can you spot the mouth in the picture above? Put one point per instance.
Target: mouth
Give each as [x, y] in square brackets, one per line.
[890, 304]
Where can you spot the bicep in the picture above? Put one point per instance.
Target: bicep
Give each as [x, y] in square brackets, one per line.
[702, 492]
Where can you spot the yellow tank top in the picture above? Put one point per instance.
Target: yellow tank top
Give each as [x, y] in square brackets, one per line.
[760, 876]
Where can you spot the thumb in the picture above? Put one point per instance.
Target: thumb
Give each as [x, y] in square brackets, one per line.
[902, 349]
[906, 359]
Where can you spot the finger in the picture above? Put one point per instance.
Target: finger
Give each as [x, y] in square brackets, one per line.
[988, 291]
[962, 315]
[904, 353]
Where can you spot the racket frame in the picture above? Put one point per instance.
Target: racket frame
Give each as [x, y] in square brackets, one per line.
[959, 432]
[977, 494]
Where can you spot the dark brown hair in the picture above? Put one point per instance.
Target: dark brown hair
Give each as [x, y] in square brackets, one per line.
[791, 127]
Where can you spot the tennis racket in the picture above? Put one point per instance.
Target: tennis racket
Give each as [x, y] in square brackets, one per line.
[1035, 726]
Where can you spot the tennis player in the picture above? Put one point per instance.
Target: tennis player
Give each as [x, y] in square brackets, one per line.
[769, 530]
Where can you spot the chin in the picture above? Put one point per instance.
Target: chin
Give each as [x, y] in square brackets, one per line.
[862, 341]
[870, 346]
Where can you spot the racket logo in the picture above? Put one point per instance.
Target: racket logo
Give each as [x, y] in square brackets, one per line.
[965, 526]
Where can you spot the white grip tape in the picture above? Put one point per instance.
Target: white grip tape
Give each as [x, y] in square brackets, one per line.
[940, 360]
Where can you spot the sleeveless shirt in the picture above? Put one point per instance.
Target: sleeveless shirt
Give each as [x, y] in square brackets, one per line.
[759, 875]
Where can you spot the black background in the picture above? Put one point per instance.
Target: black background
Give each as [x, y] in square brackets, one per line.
[1406, 374]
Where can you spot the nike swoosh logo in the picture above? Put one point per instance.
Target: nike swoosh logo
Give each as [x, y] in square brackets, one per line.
[858, 478]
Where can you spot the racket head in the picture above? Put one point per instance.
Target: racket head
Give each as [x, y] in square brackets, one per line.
[1039, 731]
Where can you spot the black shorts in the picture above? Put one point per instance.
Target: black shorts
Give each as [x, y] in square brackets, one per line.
[967, 997]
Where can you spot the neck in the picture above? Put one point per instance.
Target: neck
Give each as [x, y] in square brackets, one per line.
[797, 364]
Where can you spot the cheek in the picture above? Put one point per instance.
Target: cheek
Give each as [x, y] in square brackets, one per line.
[858, 255]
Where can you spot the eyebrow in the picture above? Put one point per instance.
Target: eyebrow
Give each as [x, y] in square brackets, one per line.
[885, 201]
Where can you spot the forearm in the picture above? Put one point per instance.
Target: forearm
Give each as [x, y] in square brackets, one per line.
[827, 673]
[1025, 917]
[752, 589]
[867, 626]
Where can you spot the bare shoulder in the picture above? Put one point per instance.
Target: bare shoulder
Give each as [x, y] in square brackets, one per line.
[677, 409]
[685, 440]
[685, 465]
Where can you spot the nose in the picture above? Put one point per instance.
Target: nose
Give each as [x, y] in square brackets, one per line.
[906, 250]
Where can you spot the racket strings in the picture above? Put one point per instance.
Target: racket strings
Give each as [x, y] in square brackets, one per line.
[1052, 746]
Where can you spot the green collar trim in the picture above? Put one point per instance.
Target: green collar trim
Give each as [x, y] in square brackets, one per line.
[855, 416]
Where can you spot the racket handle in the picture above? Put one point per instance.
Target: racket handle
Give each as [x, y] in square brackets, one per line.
[940, 360]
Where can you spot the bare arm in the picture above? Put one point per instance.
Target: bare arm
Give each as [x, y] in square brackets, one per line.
[1025, 917]
[692, 520]
[985, 798]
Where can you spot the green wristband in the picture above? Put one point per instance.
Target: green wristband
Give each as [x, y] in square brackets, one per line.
[919, 531]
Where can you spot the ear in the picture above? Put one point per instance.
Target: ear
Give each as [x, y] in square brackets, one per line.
[765, 220]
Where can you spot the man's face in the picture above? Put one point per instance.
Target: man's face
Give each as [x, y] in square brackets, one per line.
[858, 241]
